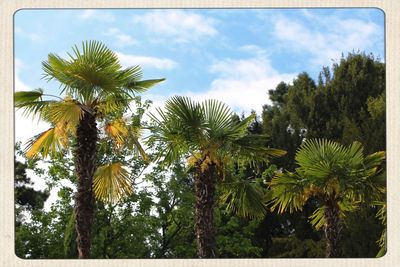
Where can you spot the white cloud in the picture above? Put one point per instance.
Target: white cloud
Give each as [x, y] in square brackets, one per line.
[120, 38]
[178, 26]
[242, 84]
[27, 126]
[151, 62]
[333, 36]
[97, 15]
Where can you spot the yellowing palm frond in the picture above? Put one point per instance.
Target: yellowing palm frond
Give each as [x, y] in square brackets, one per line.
[112, 182]
[67, 112]
[118, 130]
[51, 141]
[317, 219]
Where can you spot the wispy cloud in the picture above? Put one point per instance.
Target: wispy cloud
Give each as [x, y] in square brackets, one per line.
[325, 38]
[120, 38]
[97, 15]
[243, 84]
[34, 37]
[145, 61]
[178, 25]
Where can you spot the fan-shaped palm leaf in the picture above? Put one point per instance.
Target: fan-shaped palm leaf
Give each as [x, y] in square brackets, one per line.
[112, 182]
[31, 101]
[51, 141]
[66, 112]
[244, 198]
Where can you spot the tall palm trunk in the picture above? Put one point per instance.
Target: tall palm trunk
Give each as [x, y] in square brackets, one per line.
[204, 219]
[332, 229]
[85, 164]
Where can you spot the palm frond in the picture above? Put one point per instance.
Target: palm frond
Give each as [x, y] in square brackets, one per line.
[133, 143]
[287, 192]
[93, 71]
[243, 198]
[31, 101]
[138, 86]
[317, 218]
[51, 141]
[112, 182]
[118, 130]
[67, 112]
[218, 116]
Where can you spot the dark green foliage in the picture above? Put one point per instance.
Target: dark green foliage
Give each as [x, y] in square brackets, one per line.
[346, 104]
[25, 195]
[291, 247]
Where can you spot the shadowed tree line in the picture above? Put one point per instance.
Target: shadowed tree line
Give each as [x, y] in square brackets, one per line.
[293, 182]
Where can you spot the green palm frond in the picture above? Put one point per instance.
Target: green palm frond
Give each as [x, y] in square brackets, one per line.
[381, 215]
[329, 171]
[134, 144]
[287, 192]
[217, 115]
[186, 117]
[254, 145]
[93, 72]
[317, 219]
[112, 182]
[243, 198]
[138, 86]
[31, 101]
[188, 127]
[382, 242]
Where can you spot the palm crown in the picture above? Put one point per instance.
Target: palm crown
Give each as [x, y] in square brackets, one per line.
[337, 177]
[329, 171]
[92, 81]
[208, 132]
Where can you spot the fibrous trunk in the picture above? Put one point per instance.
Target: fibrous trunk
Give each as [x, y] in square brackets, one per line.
[204, 219]
[332, 229]
[85, 164]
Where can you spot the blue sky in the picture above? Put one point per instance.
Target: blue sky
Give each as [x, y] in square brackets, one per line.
[235, 55]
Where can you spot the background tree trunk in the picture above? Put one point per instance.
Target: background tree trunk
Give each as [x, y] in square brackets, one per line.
[333, 228]
[85, 164]
[204, 218]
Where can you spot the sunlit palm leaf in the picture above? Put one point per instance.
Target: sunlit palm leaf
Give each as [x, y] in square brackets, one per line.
[48, 142]
[112, 182]
[142, 86]
[67, 112]
[93, 71]
[329, 171]
[287, 192]
[218, 116]
[118, 130]
[317, 219]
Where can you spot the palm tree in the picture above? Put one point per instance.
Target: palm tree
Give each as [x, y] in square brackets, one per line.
[337, 177]
[96, 90]
[211, 140]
